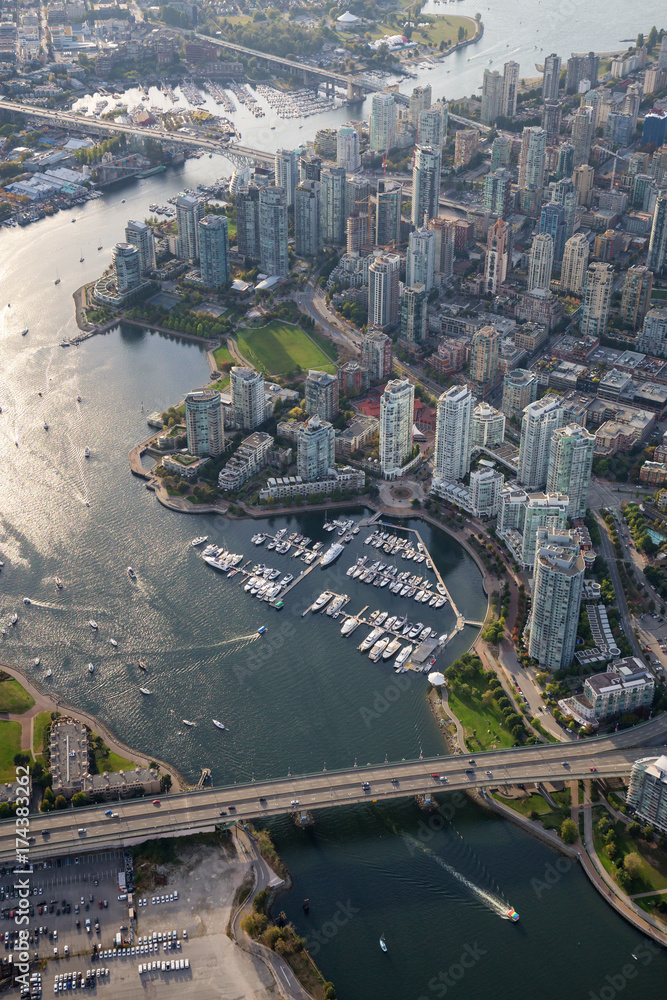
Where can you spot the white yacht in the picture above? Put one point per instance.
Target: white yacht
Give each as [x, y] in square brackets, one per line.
[378, 648]
[130, 572]
[186, 722]
[91, 668]
[145, 691]
[332, 554]
[322, 600]
[402, 657]
[93, 624]
[113, 643]
[199, 540]
[371, 638]
[349, 626]
[392, 648]
[219, 725]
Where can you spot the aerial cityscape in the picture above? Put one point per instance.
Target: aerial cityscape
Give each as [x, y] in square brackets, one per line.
[333, 436]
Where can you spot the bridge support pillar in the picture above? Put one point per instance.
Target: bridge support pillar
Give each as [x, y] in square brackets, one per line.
[354, 92]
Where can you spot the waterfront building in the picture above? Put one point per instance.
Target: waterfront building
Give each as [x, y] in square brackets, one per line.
[541, 261]
[532, 158]
[498, 192]
[433, 125]
[126, 263]
[333, 190]
[414, 318]
[540, 420]
[382, 122]
[657, 249]
[307, 219]
[388, 214]
[552, 221]
[203, 422]
[213, 240]
[497, 257]
[189, 210]
[551, 77]
[510, 88]
[247, 221]
[598, 287]
[625, 686]
[250, 457]
[583, 130]
[248, 397]
[575, 264]
[653, 337]
[273, 255]
[557, 586]
[421, 258]
[519, 390]
[486, 486]
[287, 172]
[492, 96]
[444, 247]
[425, 184]
[571, 466]
[453, 434]
[488, 427]
[396, 422]
[484, 349]
[321, 394]
[347, 149]
[636, 299]
[376, 355]
[383, 300]
[580, 68]
[141, 236]
[315, 449]
[647, 790]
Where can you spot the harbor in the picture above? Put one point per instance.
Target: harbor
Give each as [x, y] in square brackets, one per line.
[415, 645]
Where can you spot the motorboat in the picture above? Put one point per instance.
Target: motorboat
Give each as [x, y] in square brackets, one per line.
[15, 618]
[142, 665]
[349, 626]
[24, 332]
[145, 691]
[218, 725]
[59, 583]
[113, 643]
[392, 648]
[402, 657]
[512, 914]
[383, 943]
[199, 540]
[37, 661]
[93, 624]
[27, 601]
[46, 426]
[370, 639]
[186, 722]
[378, 648]
[130, 572]
[91, 668]
[324, 597]
[86, 452]
[49, 673]
[332, 553]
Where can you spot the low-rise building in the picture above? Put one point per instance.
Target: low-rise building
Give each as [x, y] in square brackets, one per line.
[251, 457]
[625, 686]
[184, 465]
[356, 435]
[653, 473]
[344, 478]
[647, 791]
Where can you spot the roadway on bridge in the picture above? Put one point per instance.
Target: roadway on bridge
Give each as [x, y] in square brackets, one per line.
[57, 833]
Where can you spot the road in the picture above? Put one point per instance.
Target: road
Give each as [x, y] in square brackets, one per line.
[57, 833]
[610, 557]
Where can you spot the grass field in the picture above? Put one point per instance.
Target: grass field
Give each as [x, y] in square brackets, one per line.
[445, 29]
[10, 745]
[279, 348]
[551, 819]
[473, 715]
[222, 355]
[654, 872]
[39, 724]
[14, 698]
[114, 762]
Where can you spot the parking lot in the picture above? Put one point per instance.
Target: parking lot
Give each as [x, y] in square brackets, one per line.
[186, 924]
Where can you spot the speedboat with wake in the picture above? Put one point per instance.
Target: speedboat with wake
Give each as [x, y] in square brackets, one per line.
[219, 725]
[383, 943]
[186, 722]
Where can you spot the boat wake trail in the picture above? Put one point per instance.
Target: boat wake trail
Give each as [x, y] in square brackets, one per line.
[83, 490]
[494, 903]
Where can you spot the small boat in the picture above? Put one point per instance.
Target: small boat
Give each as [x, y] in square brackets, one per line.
[130, 572]
[93, 624]
[15, 618]
[186, 722]
[86, 452]
[198, 541]
[145, 691]
[383, 943]
[261, 630]
[99, 248]
[142, 665]
[78, 399]
[81, 260]
[24, 332]
[59, 583]
[91, 668]
[113, 643]
[64, 343]
[46, 426]
[57, 281]
[27, 601]
[49, 673]
[218, 724]
[37, 661]
[512, 914]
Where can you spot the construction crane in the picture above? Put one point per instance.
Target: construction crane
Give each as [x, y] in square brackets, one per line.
[616, 156]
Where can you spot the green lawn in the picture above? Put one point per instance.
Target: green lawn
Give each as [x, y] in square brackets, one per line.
[222, 355]
[14, 698]
[651, 877]
[551, 819]
[222, 384]
[280, 347]
[10, 745]
[114, 762]
[39, 724]
[473, 715]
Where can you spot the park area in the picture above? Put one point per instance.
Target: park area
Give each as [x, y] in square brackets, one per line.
[281, 348]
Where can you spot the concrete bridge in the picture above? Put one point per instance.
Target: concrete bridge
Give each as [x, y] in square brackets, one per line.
[70, 831]
[81, 123]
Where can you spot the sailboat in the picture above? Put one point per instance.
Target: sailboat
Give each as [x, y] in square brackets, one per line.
[383, 943]
[81, 258]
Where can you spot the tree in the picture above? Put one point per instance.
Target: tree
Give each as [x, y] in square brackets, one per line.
[79, 799]
[61, 802]
[21, 759]
[633, 864]
[569, 833]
